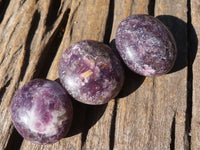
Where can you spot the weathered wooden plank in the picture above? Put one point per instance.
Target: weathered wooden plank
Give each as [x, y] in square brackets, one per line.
[171, 91]
[130, 124]
[125, 8]
[91, 25]
[133, 120]
[195, 127]
[101, 135]
[150, 117]
[98, 135]
[144, 118]
[23, 37]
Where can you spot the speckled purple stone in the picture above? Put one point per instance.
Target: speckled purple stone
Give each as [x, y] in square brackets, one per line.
[42, 111]
[91, 72]
[146, 45]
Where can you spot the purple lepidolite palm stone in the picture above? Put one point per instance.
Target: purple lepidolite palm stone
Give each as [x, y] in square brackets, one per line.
[146, 45]
[91, 72]
[42, 111]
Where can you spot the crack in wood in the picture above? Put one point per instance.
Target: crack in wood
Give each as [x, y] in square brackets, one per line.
[22, 2]
[3, 90]
[109, 22]
[15, 141]
[172, 143]
[189, 79]
[3, 6]
[92, 114]
[151, 7]
[85, 132]
[113, 125]
[48, 54]
[107, 39]
[53, 13]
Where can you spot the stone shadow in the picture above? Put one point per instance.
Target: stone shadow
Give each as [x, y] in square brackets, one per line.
[186, 40]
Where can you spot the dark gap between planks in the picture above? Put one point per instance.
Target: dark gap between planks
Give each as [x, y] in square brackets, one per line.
[172, 143]
[107, 39]
[3, 6]
[151, 7]
[112, 127]
[85, 131]
[109, 22]
[92, 114]
[15, 141]
[3, 89]
[190, 49]
[53, 13]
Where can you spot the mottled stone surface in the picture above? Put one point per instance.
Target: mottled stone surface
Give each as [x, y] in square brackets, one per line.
[91, 72]
[146, 45]
[42, 111]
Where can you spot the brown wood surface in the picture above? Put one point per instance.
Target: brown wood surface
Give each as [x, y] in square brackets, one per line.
[195, 126]
[157, 113]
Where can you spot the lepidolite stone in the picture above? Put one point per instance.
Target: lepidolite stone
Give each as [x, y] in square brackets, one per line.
[146, 45]
[91, 72]
[42, 111]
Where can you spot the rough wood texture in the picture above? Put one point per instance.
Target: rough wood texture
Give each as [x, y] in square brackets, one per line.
[195, 132]
[149, 113]
[79, 27]
[145, 118]
[26, 29]
[171, 89]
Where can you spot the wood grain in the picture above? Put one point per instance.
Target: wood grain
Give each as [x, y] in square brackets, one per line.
[23, 37]
[90, 26]
[130, 123]
[131, 127]
[125, 8]
[145, 118]
[148, 114]
[195, 132]
[101, 135]
[171, 92]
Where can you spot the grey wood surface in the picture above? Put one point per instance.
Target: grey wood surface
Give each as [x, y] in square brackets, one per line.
[157, 113]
